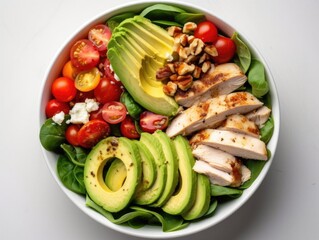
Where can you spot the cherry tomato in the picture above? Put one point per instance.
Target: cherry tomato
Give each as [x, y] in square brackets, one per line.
[128, 128]
[100, 35]
[108, 90]
[96, 114]
[63, 89]
[55, 106]
[108, 72]
[226, 49]
[87, 80]
[150, 122]
[84, 55]
[92, 132]
[69, 70]
[206, 31]
[71, 134]
[114, 112]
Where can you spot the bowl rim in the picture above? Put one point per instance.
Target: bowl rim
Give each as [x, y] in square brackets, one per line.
[150, 231]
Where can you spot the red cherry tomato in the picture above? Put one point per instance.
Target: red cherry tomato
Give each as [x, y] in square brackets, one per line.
[92, 132]
[206, 31]
[226, 49]
[128, 128]
[108, 72]
[100, 35]
[71, 134]
[84, 55]
[63, 89]
[96, 114]
[150, 122]
[114, 112]
[54, 106]
[108, 90]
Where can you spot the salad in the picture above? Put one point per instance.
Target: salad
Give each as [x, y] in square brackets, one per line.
[157, 118]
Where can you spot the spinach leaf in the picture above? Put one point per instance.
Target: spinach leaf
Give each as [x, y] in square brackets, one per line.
[70, 175]
[133, 108]
[161, 11]
[255, 166]
[257, 79]
[77, 155]
[267, 130]
[165, 23]
[218, 191]
[243, 55]
[169, 222]
[114, 21]
[212, 208]
[52, 135]
[183, 18]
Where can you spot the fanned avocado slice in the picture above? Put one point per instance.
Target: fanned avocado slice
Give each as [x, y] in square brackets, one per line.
[136, 50]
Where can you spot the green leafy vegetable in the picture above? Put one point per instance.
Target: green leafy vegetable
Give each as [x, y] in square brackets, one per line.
[243, 55]
[133, 108]
[267, 130]
[183, 18]
[70, 175]
[113, 22]
[218, 191]
[161, 11]
[255, 166]
[257, 79]
[212, 208]
[77, 155]
[165, 23]
[52, 135]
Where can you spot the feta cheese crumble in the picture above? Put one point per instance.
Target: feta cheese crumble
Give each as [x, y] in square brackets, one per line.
[91, 105]
[58, 118]
[80, 111]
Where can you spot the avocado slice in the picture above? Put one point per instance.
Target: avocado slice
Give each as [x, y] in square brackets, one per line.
[136, 50]
[154, 192]
[183, 198]
[148, 168]
[105, 151]
[116, 175]
[202, 200]
[171, 163]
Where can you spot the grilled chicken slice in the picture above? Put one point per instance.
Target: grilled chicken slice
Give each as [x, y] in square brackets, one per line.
[240, 145]
[259, 116]
[245, 173]
[216, 176]
[216, 158]
[211, 113]
[240, 124]
[220, 80]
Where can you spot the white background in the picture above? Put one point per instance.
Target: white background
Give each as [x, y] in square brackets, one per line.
[32, 206]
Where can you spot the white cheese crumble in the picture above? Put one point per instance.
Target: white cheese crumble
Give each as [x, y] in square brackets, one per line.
[58, 118]
[91, 105]
[79, 114]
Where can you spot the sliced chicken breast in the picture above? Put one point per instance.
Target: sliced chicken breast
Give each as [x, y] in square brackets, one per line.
[240, 124]
[211, 113]
[220, 80]
[259, 116]
[216, 176]
[245, 173]
[240, 145]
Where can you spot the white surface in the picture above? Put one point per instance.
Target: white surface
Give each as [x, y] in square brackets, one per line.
[284, 207]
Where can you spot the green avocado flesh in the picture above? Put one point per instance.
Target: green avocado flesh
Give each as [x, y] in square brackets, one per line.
[183, 199]
[116, 175]
[104, 152]
[136, 50]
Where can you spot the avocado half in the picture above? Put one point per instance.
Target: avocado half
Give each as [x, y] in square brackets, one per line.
[104, 152]
[136, 50]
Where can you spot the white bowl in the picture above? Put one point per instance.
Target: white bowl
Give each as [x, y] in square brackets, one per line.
[225, 209]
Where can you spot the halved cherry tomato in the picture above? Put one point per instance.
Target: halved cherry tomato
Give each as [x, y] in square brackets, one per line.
[87, 80]
[69, 70]
[128, 128]
[55, 106]
[108, 90]
[84, 55]
[92, 132]
[114, 112]
[71, 134]
[206, 31]
[100, 35]
[150, 122]
[226, 49]
[96, 114]
[63, 89]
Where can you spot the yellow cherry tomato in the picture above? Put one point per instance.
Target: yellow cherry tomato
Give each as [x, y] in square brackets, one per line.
[69, 70]
[86, 81]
